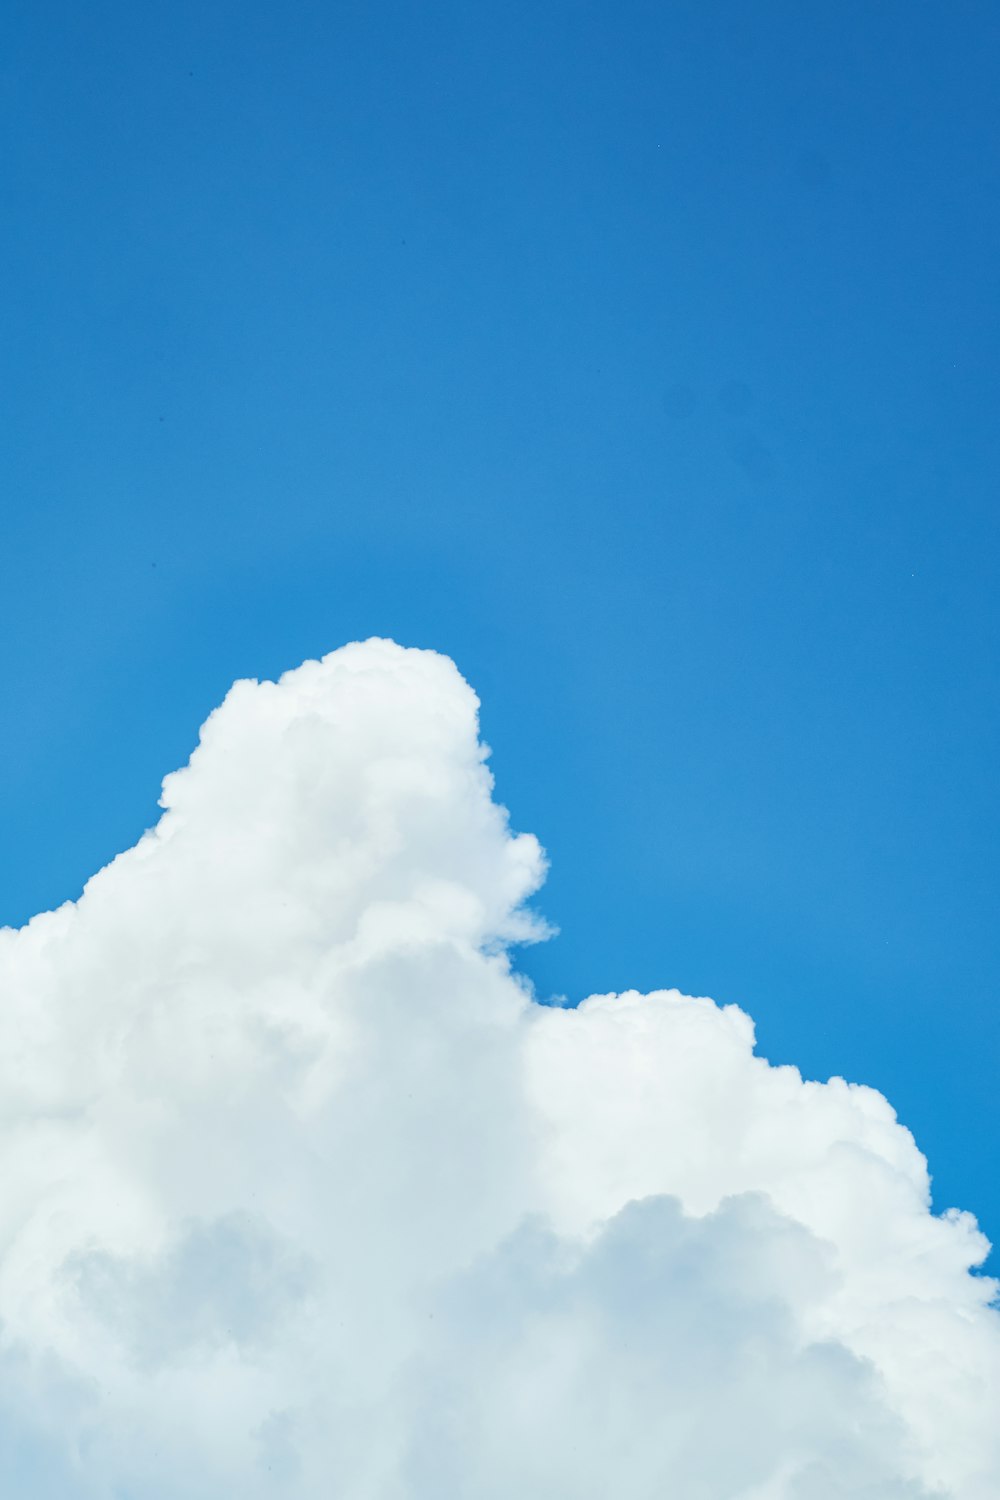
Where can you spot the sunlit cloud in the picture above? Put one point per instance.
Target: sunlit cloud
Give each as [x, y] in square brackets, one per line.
[304, 1195]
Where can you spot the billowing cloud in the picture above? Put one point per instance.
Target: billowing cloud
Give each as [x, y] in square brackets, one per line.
[303, 1195]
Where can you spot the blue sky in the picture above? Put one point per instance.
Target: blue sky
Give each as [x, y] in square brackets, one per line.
[641, 357]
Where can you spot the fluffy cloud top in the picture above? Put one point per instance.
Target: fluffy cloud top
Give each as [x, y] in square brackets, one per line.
[303, 1195]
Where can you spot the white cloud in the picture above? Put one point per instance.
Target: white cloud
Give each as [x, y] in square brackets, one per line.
[303, 1196]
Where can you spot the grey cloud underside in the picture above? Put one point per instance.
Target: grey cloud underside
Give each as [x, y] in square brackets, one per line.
[304, 1196]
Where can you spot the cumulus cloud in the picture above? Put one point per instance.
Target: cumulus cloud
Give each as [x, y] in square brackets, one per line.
[303, 1195]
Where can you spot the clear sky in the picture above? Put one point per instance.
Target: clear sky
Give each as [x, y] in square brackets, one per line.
[642, 357]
